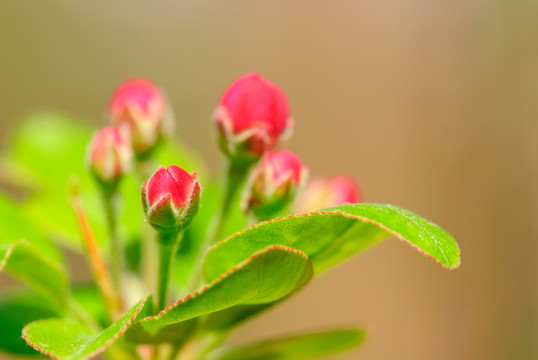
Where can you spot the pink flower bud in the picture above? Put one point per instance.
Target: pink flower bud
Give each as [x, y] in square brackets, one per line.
[109, 155]
[274, 183]
[170, 198]
[139, 108]
[323, 193]
[252, 115]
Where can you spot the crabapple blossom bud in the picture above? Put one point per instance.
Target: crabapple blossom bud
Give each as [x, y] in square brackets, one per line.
[323, 193]
[251, 117]
[139, 108]
[274, 183]
[170, 198]
[109, 155]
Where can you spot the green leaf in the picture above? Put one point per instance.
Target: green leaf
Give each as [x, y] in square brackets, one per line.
[24, 261]
[15, 227]
[266, 276]
[67, 339]
[48, 151]
[299, 347]
[18, 307]
[332, 235]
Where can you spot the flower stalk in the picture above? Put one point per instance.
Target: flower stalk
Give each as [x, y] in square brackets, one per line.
[116, 253]
[170, 199]
[168, 243]
[237, 174]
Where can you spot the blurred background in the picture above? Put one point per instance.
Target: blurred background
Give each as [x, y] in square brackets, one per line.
[430, 105]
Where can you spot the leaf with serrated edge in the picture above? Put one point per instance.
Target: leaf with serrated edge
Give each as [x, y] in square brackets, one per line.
[24, 261]
[266, 276]
[297, 347]
[332, 235]
[68, 340]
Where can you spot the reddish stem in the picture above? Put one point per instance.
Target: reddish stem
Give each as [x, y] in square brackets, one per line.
[95, 260]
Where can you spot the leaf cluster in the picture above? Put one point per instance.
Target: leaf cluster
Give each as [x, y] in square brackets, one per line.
[244, 274]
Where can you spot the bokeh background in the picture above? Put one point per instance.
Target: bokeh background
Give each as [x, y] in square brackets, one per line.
[430, 105]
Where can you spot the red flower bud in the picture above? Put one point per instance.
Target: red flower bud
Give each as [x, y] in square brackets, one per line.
[274, 183]
[323, 193]
[252, 115]
[139, 108]
[109, 155]
[170, 198]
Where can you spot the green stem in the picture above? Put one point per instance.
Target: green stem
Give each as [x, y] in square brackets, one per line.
[174, 352]
[168, 242]
[237, 174]
[156, 352]
[116, 256]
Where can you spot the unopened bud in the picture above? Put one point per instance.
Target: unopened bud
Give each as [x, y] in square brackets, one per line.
[323, 193]
[252, 116]
[109, 155]
[141, 109]
[170, 198]
[274, 183]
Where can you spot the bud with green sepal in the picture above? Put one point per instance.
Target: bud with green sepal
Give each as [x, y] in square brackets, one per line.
[252, 116]
[170, 199]
[109, 155]
[274, 183]
[141, 109]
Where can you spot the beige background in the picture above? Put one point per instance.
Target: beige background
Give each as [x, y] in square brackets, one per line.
[430, 105]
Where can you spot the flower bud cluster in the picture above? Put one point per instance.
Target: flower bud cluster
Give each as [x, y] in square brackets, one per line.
[140, 115]
[251, 118]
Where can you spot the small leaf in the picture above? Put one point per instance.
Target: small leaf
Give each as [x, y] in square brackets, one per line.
[67, 339]
[298, 347]
[333, 235]
[24, 261]
[18, 307]
[266, 276]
